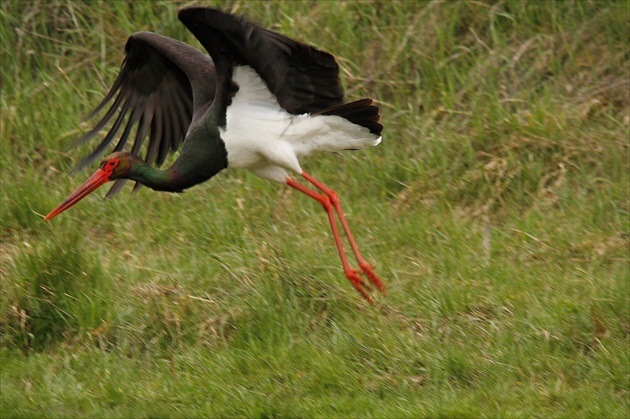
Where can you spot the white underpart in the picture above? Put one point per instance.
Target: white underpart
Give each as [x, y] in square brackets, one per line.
[264, 138]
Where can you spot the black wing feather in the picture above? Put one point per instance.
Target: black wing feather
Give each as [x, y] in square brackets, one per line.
[303, 78]
[153, 94]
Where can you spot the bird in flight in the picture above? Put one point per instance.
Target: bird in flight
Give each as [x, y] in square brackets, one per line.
[260, 101]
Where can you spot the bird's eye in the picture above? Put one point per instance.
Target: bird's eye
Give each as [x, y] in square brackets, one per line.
[111, 163]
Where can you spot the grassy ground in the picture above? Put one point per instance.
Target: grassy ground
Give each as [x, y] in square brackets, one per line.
[496, 209]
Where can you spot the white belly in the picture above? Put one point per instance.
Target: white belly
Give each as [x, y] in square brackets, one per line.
[266, 139]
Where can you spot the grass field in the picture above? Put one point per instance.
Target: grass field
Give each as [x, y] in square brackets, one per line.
[496, 210]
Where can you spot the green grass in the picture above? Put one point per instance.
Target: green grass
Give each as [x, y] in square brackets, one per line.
[496, 210]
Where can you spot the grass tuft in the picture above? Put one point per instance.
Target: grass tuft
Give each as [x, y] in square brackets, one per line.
[59, 294]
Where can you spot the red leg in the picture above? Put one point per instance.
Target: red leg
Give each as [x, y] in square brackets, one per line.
[352, 274]
[365, 267]
[329, 200]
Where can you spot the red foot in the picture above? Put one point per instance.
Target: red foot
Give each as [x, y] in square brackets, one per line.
[330, 202]
[359, 284]
[369, 271]
[363, 287]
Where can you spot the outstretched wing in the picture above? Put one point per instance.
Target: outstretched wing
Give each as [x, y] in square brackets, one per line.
[152, 94]
[303, 78]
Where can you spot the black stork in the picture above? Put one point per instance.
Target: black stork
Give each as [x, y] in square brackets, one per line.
[260, 101]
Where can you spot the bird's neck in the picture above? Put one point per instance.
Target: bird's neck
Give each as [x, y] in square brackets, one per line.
[203, 155]
[166, 180]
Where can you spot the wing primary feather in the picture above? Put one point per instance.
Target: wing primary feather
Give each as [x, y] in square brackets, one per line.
[106, 141]
[176, 127]
[133, 118]
[116, 187]
[116, 87]
[165, 142]
[155, 137]
[100, 125]
[183, 116]
[141, 133]
[136, 187]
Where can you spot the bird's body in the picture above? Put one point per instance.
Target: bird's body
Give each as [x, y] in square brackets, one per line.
[261, 102]
[264, 138]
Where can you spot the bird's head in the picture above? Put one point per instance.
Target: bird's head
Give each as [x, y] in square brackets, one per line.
[115, 166]
[118, 165]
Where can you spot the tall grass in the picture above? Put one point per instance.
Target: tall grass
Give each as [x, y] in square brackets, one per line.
[496, 209]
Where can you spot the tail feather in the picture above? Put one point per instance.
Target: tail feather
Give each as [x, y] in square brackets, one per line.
[361, 112]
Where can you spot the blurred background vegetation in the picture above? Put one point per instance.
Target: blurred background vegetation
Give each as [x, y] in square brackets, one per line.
[496, 209]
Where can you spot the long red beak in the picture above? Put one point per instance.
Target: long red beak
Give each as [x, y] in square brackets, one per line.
[97, 179]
